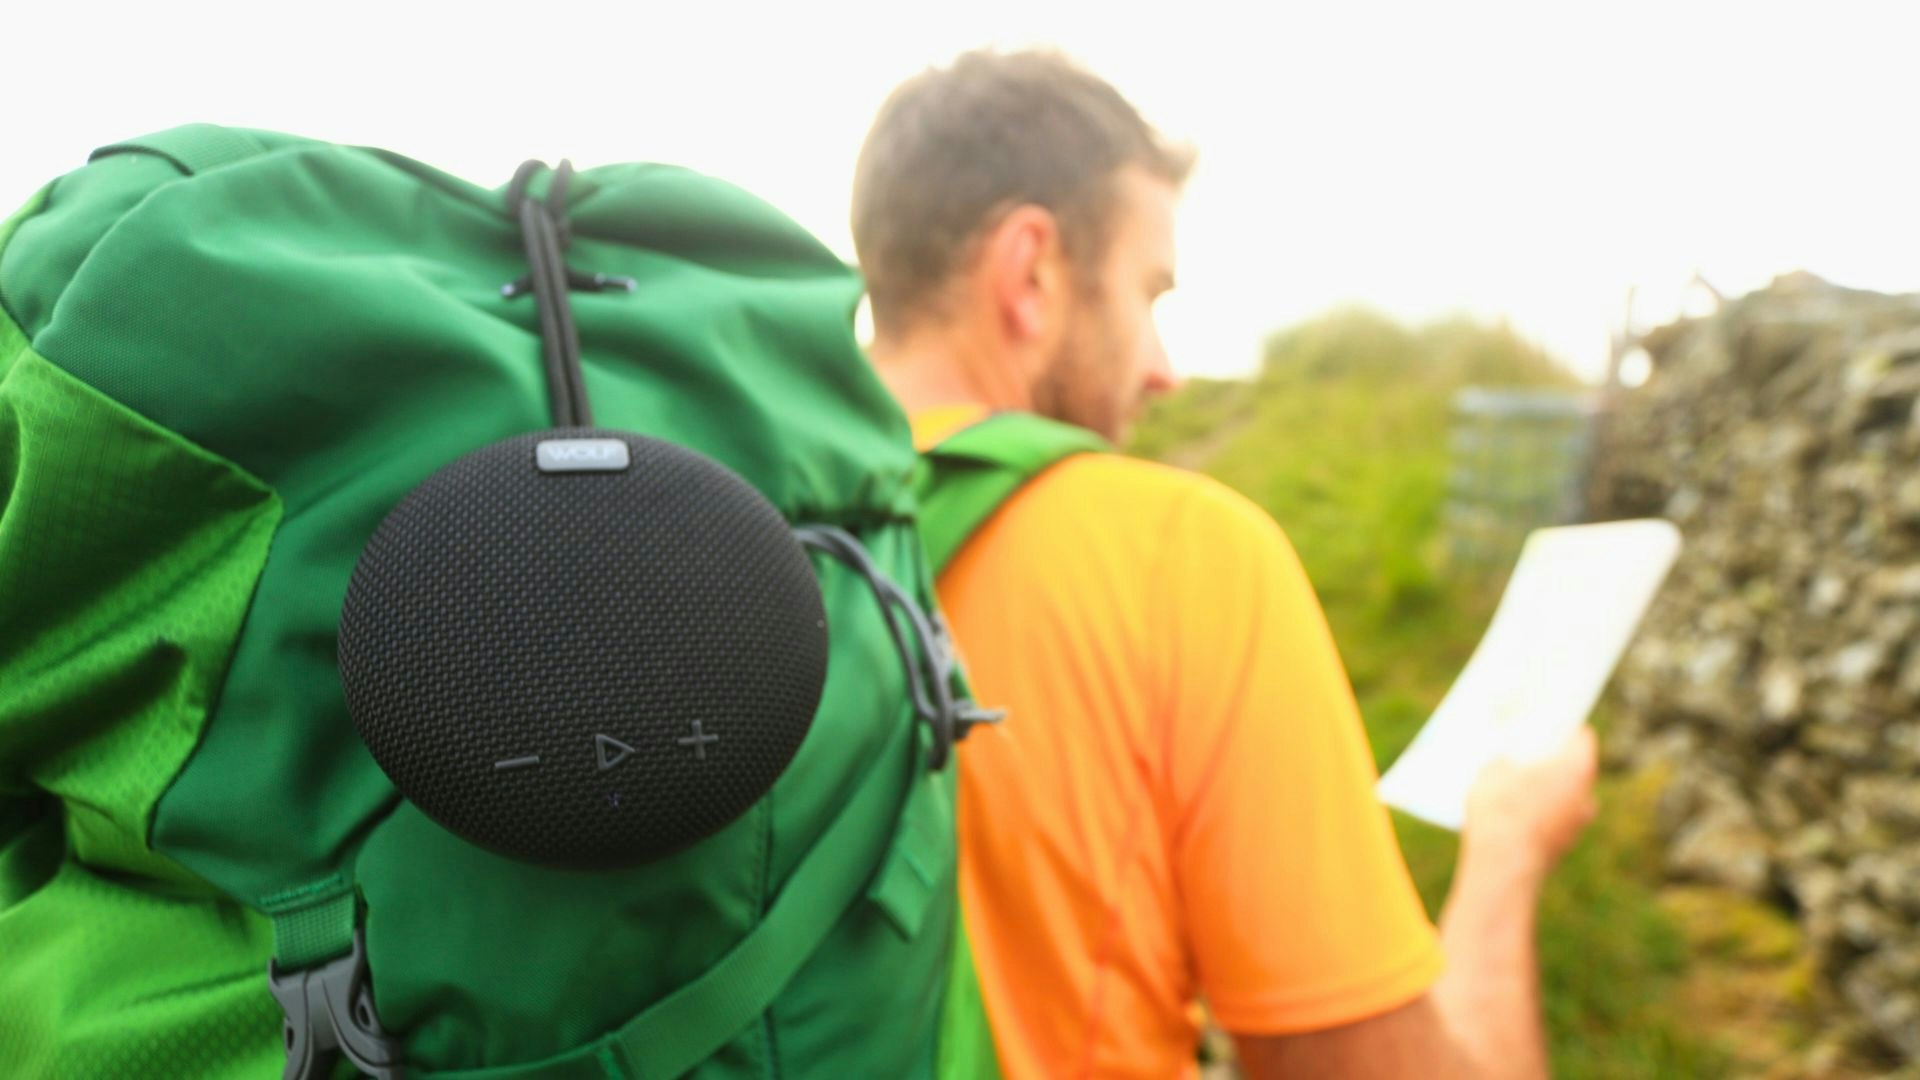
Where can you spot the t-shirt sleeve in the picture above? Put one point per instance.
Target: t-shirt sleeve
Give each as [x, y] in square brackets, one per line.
[1299, 910]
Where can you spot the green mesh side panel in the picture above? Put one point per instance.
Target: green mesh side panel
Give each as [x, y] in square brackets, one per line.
[127, 558]
[107, 980]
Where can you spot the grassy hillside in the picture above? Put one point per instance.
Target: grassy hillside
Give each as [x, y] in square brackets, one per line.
[1342, 438]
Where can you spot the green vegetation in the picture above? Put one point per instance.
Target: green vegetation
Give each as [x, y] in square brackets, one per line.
[1342, 437]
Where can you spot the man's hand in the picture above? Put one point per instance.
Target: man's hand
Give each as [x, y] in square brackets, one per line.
[1531, 813]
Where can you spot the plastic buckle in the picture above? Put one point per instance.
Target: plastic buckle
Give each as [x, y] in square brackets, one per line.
[329, 1010]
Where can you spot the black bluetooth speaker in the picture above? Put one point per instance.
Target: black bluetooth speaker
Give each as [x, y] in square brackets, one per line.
[583, 648]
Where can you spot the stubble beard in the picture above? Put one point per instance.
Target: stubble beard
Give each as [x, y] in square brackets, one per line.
[1077, 385]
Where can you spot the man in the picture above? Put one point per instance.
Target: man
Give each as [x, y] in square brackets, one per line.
[1182, 805]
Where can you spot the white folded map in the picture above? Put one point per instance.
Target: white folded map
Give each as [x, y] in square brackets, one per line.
[1567, 615]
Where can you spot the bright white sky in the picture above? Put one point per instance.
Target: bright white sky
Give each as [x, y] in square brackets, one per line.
[1526, 161]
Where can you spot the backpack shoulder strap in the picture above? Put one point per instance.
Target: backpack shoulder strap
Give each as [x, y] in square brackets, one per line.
[964, 480]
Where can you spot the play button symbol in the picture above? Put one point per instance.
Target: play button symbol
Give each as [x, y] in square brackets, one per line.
[610, 751]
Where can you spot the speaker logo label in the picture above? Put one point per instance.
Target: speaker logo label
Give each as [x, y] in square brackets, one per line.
[581, 455]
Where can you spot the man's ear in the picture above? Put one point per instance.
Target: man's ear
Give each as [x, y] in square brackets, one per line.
[1026, 277]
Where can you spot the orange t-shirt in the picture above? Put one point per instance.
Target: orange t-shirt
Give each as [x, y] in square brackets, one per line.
[1180, 803]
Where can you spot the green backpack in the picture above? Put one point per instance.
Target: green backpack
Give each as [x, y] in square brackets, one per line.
[224, 356]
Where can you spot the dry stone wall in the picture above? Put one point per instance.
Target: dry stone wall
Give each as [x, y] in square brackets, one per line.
[1777, 678]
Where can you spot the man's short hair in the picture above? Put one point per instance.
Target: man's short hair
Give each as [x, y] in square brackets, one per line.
[953, 149]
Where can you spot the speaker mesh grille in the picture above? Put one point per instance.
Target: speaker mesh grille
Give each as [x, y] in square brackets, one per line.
[653, 636]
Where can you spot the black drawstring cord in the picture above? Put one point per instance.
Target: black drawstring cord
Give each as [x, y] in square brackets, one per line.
[559, 340]
[930, 667]
[557, 201]
[546, 234]
[522, 180]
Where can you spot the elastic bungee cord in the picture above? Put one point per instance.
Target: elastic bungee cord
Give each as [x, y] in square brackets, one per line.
[928, 661]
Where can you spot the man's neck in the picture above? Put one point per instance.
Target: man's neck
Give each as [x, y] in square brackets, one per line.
[929, 369]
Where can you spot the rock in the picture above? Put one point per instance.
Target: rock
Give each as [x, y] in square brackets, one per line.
[1691, 787]
[1857, 663]
[1894, 627]
[1853, 744]
[1827, 593]
[1817, 888]
[1907, 682]
[1891, 800]
[1897, 346]
[1681, 505]
[1725, 848]
[1814, 842]
[1896, 582]
[1789, 803]
[1885, 988]
[1781, 684]
[1899, 382]
[1793, 446]
[1906, 499]
[1715, 662]
[1889, 878]
[1865, 925]
[1902, 741]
